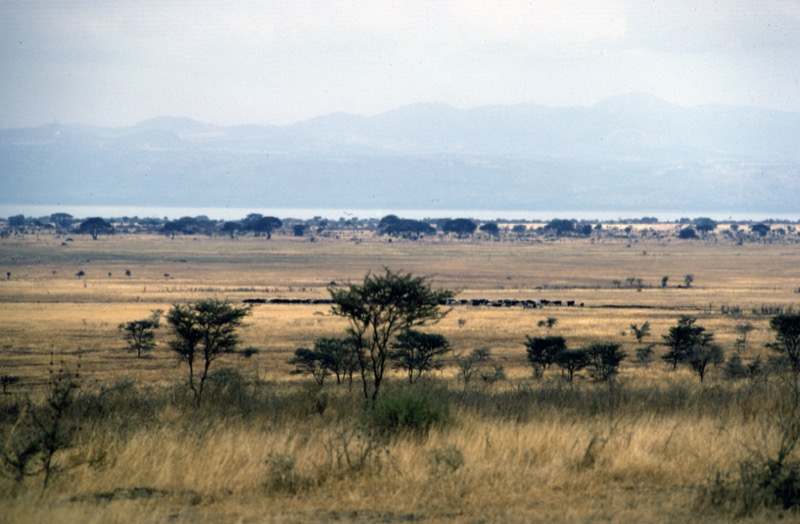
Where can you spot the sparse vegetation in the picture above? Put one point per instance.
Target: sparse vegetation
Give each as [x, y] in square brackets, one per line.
[265, 445]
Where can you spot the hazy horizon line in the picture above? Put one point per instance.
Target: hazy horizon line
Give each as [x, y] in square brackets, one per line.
[303, 213]
[56, 122]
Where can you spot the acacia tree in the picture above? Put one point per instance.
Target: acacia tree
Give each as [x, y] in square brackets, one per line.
[572, 361]
[787, 342]
[330, 355]
[542, 351]
[141, 334]
[461, 227]
[640, 333]
[469, 365]
[339, 356]
[704, 354]
[560, 226]
[787, 338]
[309, 361]
[760, 229]
[95, 226]
[266, 225]
[682, 340]
[203, 331]
[378, 310]
[743, 330]
[705, 225]
[415, 352]
[231, 228]
[490, 228]
[604, 360]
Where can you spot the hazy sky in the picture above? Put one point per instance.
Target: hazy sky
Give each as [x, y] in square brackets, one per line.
[115, 63]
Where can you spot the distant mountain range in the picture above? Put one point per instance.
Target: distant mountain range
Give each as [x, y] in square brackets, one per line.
[632, 152]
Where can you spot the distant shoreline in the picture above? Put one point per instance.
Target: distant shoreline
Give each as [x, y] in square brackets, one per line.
[236, 213]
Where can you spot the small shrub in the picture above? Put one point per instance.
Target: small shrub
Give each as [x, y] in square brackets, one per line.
[408, 413]
[282, 476]
[496, 374]
[42, 432]
[227, 389]
[446, 460]
[644, 355]
[352, 448]
[8, 380]
[735, 368]
[604, 360]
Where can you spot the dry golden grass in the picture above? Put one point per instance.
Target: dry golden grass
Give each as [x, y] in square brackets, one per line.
[643, 466]
[517, 472]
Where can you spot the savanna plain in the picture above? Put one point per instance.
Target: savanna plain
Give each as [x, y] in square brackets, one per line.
[512, 444]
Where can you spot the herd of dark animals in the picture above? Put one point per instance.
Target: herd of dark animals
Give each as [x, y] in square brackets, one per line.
[475, 302]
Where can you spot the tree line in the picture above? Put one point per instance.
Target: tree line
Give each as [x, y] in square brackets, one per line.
[390, 226]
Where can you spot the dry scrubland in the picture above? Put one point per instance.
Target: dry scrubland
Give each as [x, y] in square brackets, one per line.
[269, 446]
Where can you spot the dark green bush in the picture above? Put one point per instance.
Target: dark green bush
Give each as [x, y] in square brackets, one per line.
[409, 412]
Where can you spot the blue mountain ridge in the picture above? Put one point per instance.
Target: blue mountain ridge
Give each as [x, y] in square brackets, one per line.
[629, 152]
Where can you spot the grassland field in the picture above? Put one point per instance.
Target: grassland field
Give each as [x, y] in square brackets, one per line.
[531, 449]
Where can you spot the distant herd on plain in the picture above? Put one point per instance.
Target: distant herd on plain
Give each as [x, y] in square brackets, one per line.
[475, 302]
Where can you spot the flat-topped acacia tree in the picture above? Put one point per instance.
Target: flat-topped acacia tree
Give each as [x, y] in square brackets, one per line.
[380, 308]
[203, 331]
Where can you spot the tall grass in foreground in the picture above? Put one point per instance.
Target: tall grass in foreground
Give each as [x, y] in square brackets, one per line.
[518, 451]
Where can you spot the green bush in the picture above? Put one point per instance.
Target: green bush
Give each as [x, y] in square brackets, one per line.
[282, 475]
[443, 461]
[408, 413]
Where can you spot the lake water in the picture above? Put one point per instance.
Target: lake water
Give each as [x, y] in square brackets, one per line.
[236, 213]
